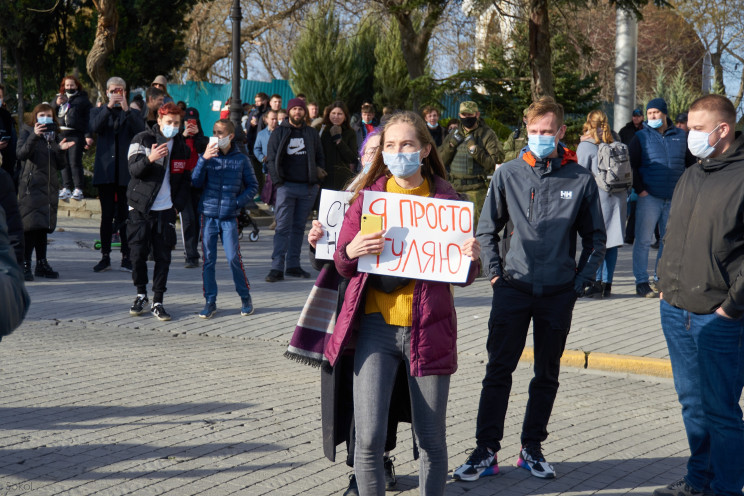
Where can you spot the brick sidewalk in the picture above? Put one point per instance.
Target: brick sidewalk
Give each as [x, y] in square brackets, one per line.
[98, 402]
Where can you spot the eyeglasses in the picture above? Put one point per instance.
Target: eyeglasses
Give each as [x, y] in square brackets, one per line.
[370, 151]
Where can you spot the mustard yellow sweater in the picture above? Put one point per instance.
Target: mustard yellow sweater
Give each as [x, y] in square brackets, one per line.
[395, 307]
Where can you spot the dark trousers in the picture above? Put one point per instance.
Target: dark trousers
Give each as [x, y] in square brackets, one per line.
[113, 216]
[190, 226]
[35, 240]
[511, 313]
[156, 230]
[72, 174]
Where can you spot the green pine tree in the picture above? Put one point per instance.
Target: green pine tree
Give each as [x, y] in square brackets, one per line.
[392, 84]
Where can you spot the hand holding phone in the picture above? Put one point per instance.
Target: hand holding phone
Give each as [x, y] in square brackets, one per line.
[369, 240]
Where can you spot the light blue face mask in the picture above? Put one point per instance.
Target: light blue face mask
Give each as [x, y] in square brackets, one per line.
[45, 119]
[654, 123]
[169, 131]
[402, 165]
[366, 167]
[697, 142]
[541, 145]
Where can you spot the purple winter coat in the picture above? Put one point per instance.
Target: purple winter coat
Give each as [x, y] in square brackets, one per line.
[434, 330]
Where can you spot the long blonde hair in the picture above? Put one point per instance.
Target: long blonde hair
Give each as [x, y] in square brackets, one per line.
[595, 121]
[431, 165]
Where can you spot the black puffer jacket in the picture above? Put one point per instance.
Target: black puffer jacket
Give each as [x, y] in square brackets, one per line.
[147, 177]
[77, 115]
[38, 186]
[702, 266]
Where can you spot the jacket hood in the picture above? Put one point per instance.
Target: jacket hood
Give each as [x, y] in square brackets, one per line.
[564, 154]
[735, 153]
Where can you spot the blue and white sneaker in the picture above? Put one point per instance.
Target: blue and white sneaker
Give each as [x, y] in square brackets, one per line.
[532, 459]
[481, 462]
[210, 308]
[246, 307]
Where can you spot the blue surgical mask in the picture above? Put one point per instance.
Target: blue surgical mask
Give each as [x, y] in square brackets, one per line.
[402, 165]
[169, 131]
[45, 119]
[697, 142]
[432, 126]
[541, 145]
[654, 123]
[366, 166]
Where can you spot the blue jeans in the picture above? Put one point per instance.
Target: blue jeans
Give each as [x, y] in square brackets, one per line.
[707, 354]
[649, 211]
[607, 268]
[211, 230]
[293, 204]
[380, 349]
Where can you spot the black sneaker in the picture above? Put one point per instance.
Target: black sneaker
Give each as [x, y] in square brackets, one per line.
[390, 480]
[28, 274]
[644, 291]
[126, 264]
[480, 463]
[679, 488]
[274, 276]
[593, 291]
[103, 265]
[353, 489]
[191, 263]
[532, 459]
[159, 312]
[43, 269]
[138, 306]
[297, 272]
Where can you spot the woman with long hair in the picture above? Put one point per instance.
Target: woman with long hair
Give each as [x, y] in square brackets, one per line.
[339, 146]
[596, 131]
[42, 153]
[72, 108]
[378, 311]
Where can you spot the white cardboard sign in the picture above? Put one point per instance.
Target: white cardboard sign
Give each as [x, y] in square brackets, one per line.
[331, 211]
[423, 239]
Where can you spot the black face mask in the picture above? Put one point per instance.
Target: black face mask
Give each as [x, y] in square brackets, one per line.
[468, 122]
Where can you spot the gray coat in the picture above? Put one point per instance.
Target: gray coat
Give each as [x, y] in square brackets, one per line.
[614, 205]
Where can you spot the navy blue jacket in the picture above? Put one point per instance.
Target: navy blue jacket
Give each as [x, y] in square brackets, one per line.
[658, 160]
[223, 177]
[115, 129]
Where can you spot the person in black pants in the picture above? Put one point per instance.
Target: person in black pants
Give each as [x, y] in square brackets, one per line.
[158, 189]
[190, 225]
[72, 108]
[115, 124]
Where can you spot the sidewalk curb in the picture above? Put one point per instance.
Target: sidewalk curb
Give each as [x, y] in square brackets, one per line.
[658, 367]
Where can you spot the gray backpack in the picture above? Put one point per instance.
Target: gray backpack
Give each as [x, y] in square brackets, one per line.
[613, 167]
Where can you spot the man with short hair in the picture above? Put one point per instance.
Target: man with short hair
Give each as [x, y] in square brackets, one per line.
[115, 124]
[367, 123]
[154, 99]
[658, 156]
[260, 149]
[701, 276]
[161, 83]
[470, 154]
[158, 189]
[294, 157]
[431, 116]
[312, 111]
[275, 102]
[549, 198]
[681, 121]
[631, 128]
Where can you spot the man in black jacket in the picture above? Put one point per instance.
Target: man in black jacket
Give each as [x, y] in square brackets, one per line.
[158, 189]
[548, 197]
[293, 158]
[115, 124]
[701, 277]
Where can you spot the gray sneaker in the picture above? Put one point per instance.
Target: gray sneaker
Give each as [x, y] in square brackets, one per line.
[679, 488]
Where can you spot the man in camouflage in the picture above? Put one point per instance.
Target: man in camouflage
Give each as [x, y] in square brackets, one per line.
[516, 141]
[470, 154]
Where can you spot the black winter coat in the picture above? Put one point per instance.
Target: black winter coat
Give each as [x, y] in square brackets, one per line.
[9, 203]
[38, 186]
[147, 177]
[77, 116]
[277, 151]
[339, 158]
[115, 129]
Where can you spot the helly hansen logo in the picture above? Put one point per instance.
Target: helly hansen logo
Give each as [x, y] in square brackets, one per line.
[566, 195]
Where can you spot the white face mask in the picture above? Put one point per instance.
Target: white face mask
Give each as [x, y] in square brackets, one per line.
[697, 142]
[223, 143]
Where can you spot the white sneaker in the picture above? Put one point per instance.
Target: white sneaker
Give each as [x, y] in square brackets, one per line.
[65, 194]
[77, 194]
[532, 459]
[481, 462]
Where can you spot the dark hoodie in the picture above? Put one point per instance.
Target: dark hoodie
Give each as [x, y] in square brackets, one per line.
[701, 267]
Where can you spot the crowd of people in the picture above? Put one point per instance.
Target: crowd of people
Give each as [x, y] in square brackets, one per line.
[392, 348]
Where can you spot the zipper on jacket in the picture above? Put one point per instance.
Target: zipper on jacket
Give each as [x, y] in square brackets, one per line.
[531, 208]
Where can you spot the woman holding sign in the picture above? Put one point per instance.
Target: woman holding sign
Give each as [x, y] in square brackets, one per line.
[394, 319]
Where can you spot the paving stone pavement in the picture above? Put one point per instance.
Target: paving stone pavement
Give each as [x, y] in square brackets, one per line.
[97, 402]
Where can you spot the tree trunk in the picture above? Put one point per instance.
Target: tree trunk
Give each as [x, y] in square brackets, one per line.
[103, 45]
[539, 38]
[715, 61]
